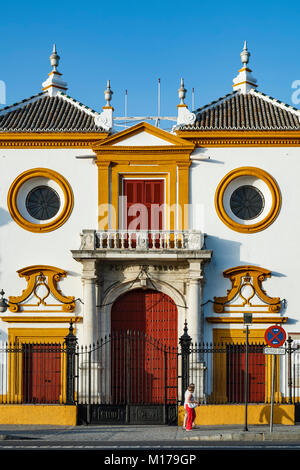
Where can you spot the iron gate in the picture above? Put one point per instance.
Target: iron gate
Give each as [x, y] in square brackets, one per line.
[127, 378]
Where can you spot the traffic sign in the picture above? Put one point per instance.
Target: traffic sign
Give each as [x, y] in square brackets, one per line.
[275, 336]
[269, 350]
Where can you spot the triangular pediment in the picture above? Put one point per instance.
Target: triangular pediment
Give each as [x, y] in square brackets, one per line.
[143, 135]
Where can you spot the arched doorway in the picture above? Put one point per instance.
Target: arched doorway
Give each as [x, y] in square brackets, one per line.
[144, 348]
[148, 311]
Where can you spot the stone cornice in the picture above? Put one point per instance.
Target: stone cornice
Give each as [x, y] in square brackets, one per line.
[50, 139]
[238, 138]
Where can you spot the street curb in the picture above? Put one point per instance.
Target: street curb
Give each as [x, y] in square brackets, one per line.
[247, 436]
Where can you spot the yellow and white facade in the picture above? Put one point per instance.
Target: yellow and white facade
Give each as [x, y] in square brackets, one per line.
[213, 257]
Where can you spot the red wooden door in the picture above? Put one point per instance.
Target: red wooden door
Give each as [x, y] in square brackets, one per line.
[144, 361]
[144, 204]
[236, 370]
[41, 373]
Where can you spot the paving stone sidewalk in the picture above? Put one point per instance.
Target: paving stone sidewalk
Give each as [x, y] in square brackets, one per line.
[133, 433]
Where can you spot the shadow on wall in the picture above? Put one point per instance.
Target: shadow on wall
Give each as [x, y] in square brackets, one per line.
[5, 217]
[280, 415]
[226, 254]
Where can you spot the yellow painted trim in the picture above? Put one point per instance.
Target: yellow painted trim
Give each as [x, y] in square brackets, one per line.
[13, 195]
[213, 415]
[170, 162]
[174, 140]
[39, 319]
[241, 138]
[240, 276]
[275, 193]
[56, 415]
[54, 86]
[241, 83]
[266, 320]
[48, 276]
[122, 172]
[31, 335]
[56, 140]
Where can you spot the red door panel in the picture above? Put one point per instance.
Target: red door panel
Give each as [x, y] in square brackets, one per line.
[41, 373]
[145, 359]
[236, 370]
[144, 204]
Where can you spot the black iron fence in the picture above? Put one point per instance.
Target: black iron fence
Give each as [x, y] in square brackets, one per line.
[131, 368]
[127, 367]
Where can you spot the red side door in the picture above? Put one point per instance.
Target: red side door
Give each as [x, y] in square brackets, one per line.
[41, 373]
[236, 370]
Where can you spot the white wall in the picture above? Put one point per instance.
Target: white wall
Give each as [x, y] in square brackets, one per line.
[275, 248]
[20, 248]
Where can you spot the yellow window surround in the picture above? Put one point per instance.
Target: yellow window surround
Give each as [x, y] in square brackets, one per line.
[19, 336]
[170, 162]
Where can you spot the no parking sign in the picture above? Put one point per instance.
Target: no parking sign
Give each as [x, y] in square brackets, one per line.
[275, 336]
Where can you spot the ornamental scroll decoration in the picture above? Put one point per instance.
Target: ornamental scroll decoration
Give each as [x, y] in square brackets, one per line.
[40, 291]
[246, 293]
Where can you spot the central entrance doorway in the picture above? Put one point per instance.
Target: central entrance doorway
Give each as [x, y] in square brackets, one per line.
[138, 385]
[130, 376]
[144, 367]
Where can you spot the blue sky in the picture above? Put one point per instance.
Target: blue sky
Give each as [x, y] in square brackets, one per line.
[135, 43]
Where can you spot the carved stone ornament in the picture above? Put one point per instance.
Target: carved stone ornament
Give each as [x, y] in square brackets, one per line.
[246, 293]
[104, 120]
[41, 291]
[185, 117]
[87, 240]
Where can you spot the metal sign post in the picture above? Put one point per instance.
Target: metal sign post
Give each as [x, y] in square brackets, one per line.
[272, 393]
[247, 321]
[275, 337]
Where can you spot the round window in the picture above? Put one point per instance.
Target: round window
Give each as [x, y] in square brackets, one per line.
[40, 200]
[42, 203]
[248, 199]
[247, 202]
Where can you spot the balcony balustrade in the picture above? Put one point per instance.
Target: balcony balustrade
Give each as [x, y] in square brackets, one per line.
[144, 240]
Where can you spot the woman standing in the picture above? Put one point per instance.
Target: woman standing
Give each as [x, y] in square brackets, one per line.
[190, 404]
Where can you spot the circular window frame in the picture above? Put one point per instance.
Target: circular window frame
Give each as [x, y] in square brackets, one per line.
[274, 192]
[56, 222]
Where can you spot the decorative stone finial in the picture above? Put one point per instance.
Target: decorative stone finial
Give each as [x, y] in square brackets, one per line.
[245, 54]
[54, 83]
[181, 91]
[105, 119]
[108, 93]
[184, 116]
[244, 82]
[54, 58]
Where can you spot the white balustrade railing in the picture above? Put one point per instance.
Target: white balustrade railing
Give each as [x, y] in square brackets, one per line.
[142, 240]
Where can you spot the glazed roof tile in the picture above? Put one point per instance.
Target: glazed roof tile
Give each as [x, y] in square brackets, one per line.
[44, 113]
[251, 111]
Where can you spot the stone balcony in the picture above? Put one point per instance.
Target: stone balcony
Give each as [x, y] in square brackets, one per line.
[115, 243]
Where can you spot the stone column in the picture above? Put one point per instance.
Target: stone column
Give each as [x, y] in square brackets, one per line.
[195, 316]
[89, 278]
[196, 327]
